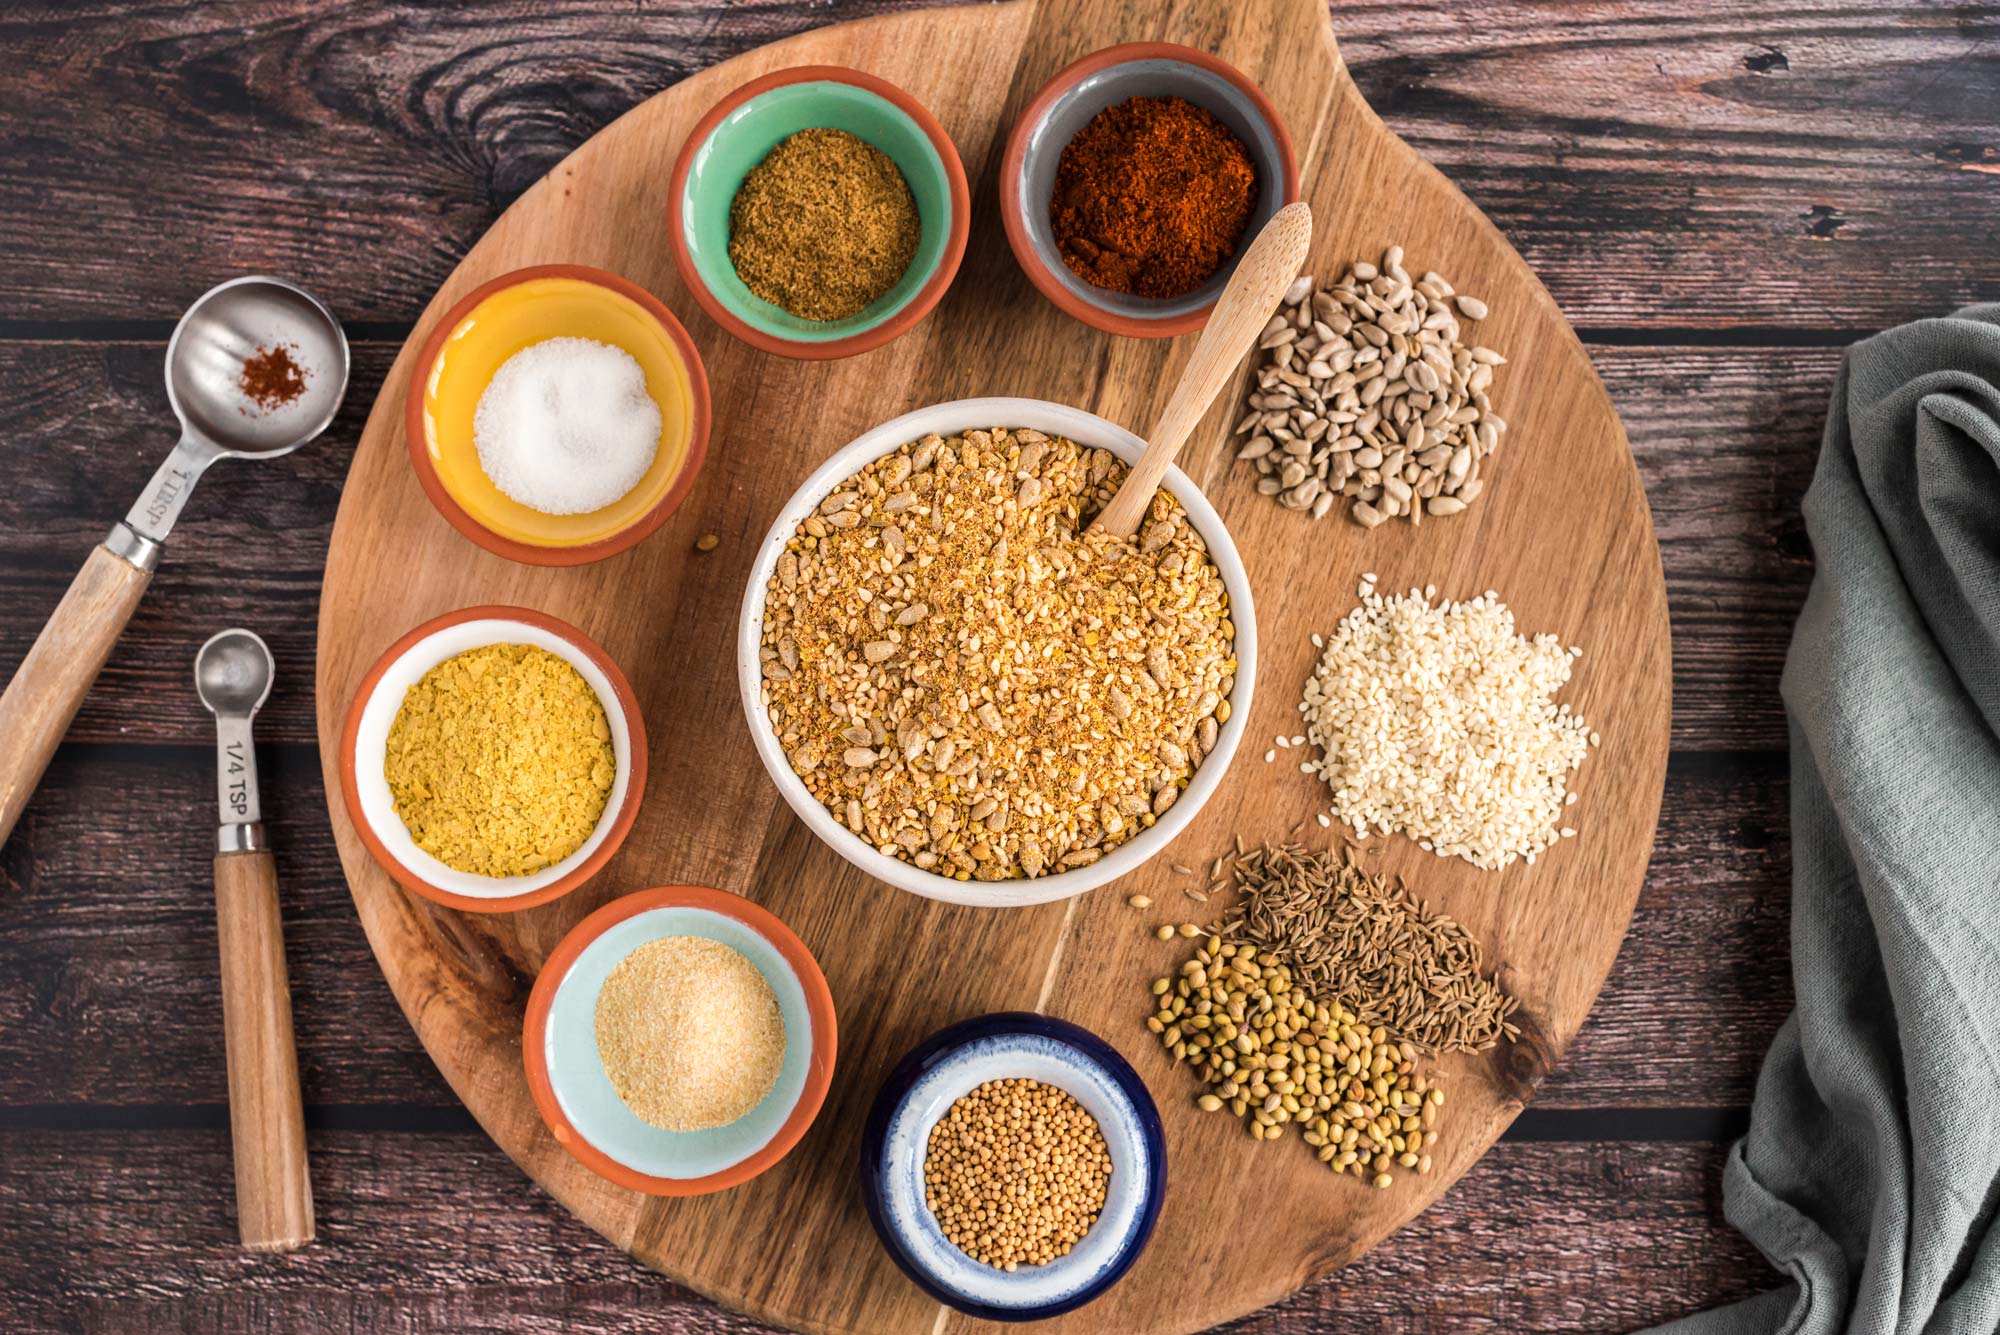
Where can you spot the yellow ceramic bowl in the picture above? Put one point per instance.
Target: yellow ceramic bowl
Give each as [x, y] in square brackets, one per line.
[500, 319]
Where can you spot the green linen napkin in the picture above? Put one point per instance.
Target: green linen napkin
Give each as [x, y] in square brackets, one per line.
[1871, 1172]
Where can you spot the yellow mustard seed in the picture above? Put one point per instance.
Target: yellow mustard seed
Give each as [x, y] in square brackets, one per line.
[1016, 1172]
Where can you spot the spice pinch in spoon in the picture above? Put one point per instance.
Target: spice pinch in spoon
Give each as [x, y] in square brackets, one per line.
[1253, 291]
[228, 408]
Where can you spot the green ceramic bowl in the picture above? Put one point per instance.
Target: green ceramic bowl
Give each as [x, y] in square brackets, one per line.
[737, 134]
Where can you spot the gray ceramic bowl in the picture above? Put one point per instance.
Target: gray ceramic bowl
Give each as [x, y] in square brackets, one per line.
[1066, 105]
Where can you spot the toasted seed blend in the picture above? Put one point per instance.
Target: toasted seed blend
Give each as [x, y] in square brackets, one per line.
[1271, 1054]
[1435, 720]
[1016, 1172]
[1353, 937]
[1368, 394]
[971, 681]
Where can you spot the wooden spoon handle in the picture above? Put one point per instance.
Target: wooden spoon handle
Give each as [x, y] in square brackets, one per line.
[1240, 314]
[44, 695]
[274, 1209]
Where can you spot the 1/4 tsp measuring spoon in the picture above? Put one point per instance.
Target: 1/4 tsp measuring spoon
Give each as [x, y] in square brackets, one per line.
[205, 361]
[274, 1207]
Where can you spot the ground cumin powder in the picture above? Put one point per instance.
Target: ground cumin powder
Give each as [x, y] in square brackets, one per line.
[690, 1033]
[823, 226]
[500, 760]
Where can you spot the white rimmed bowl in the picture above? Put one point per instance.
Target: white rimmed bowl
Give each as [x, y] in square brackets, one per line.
[951, 1064]
[947, 419]
[364, 746]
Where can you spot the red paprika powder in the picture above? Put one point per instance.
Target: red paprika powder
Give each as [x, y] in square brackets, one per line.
[270, 378]
[1152, 197]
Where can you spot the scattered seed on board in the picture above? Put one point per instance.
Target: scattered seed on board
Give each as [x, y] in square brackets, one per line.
[707, 542]
[1367, 395]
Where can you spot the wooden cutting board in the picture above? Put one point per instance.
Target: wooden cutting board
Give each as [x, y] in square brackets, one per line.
[1562, 533]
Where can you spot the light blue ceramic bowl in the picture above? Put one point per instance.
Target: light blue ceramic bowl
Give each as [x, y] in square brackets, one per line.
[575, 1095]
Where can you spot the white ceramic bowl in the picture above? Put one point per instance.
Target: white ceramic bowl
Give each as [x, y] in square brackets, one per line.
[947, 419]
[364, 745]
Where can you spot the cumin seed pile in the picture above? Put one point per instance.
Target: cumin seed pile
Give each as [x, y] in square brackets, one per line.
[1352, 937]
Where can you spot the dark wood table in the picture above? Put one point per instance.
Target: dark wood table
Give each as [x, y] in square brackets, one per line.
[1721, 198]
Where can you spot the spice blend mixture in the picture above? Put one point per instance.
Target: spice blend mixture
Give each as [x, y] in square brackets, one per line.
[1016, 1172]
[270, 378]
[973, 683]
[690, 1033]
[1152, 197]
[823, 226]
[500, 760]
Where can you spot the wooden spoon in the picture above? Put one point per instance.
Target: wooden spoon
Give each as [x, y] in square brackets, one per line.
[1240, 314]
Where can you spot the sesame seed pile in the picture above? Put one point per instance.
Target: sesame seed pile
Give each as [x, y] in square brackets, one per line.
[1436, 720]
[971, 681]
[1016, 1173]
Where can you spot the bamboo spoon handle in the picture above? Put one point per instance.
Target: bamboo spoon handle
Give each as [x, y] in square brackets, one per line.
[52, 680]
[274, 1207]
[1240, 314]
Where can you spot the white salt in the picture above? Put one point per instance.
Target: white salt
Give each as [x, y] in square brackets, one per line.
[566, 426]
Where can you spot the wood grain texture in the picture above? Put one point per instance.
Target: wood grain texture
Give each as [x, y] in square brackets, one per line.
[441, 1236]
[106, 930]
[1725, 440]
[1719, 192]
[267, 1130]
[44, 693]
[1726, 164]
[713, 818]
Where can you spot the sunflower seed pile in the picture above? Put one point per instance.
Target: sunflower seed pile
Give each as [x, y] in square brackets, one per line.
[1367, 393]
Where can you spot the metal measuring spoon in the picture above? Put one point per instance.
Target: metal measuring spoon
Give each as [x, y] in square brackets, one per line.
[227, 326]
[274, 1209]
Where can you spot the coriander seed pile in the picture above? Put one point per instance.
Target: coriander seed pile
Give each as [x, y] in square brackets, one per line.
[971, 681]
[1016, 1173]
[1312, 1003]
[1275, 1057]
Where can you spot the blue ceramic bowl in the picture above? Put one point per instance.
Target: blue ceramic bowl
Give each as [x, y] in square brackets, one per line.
[953, 1062]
